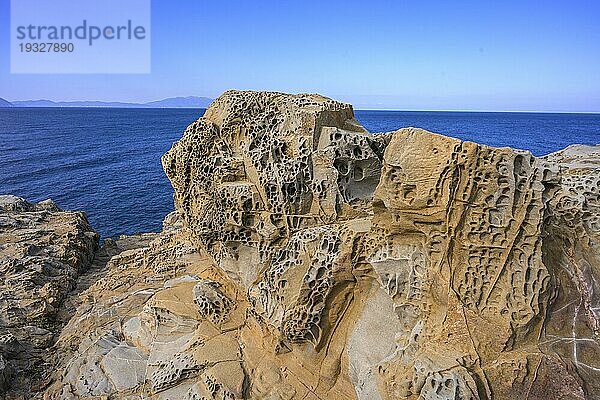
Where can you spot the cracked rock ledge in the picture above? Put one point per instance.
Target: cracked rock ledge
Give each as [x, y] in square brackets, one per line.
[310, 259]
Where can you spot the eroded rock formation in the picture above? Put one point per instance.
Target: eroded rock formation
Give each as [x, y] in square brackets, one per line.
[42, 252]
[311, 259]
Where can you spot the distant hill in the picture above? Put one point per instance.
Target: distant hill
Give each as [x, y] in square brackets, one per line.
[4, 103]
[184, 102]
[173, 102]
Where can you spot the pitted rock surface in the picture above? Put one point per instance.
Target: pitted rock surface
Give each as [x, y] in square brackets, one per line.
[311, 259]
[42, 252]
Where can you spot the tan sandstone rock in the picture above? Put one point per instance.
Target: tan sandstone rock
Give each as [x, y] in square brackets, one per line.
[42, 252]
[311, 259]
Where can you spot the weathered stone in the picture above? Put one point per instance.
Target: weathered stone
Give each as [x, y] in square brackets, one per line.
[310, 259]
[42, 251]
[311, 214]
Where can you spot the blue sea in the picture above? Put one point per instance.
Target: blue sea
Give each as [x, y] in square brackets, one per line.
[107, 161]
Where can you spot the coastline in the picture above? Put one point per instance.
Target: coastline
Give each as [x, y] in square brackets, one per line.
[309, 256]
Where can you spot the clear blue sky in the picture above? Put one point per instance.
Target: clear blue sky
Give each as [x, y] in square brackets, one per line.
[429, 55]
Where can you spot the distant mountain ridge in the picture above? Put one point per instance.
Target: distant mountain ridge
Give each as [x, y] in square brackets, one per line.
[5, 103]
[172, 102]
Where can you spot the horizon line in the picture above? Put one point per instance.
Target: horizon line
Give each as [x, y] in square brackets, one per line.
[479, 111]
[354, 108]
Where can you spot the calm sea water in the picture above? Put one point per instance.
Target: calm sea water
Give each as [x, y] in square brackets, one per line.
[107, 161]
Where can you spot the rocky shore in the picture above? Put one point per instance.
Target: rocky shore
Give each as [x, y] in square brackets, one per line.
[310, 259]
[43, 250]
